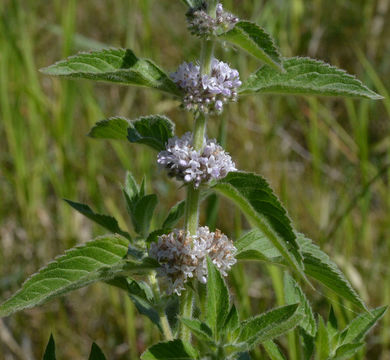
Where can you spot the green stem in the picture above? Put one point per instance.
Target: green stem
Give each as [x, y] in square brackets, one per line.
[166, 328]
[186, 308]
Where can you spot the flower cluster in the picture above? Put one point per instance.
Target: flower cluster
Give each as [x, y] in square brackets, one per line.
[203, 25]
[207, 93]
[183, 256]
[189, 165]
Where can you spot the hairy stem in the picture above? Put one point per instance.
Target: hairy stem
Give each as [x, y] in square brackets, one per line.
[166, 328]
[193, 195]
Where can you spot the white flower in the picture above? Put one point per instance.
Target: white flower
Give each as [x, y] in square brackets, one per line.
[183, 256]
[204, 26]
[188, 165]
[207, 93]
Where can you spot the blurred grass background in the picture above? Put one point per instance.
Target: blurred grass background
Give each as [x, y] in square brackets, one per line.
[327, 159]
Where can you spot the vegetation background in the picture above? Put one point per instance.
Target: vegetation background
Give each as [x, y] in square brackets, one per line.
[327, 159]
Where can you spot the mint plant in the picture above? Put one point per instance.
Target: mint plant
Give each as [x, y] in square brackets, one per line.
[176, 275]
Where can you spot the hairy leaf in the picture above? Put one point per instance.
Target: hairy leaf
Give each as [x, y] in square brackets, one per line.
[153, 130]
[143, 213]
[294, 294]
[142, 297]
[358, 328]
[268, 326]
[256, 41]
[256, 246]
[256, 199]
[108, 222]
[113, 128]
[322, 342]
[96, 353]
[319, 266]
[50, 352]
[101, 259]
[175, 214]
[232, 323]
[347, 351]
[170, 350]
[199, 329]
[272, 350]
[120, 66]
[304, 76]
[217, 299]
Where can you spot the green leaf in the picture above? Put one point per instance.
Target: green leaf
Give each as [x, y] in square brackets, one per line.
[358, 328]
[232, 323]
[119, 66]
[217, 299]
[272, 350]
[96, 353]
[175, 214]
[143, 213]
[113, 128]
[332, 328]
[254, 245]
[347, 351]
[304, 76]
[108, 222]
[153, 130]
[322, 342]
[50, 352]
[256, 41]
[170, 350]
[142, 296]
[131, 188]
[256, 199]
[319, 266]
[268, 326]
[293, 295]
[101, 259]
[199, 329]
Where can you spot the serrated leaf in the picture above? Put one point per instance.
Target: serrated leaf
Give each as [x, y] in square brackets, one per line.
[332, 327]
[217, 299]
[199, 329]
[143, 213]
[322, 342]
[305, 76]
[174, 215]
[319, 266]
[232, 320]
[242, 356]
[96, 353]
[268, 326]
[119, 66]
[170, 350]
[153, 130]
[293, 295]
[308, 343]
[256, 246]
[108, 222]
[101, 259]
[131, 188]
[256, 199]
[142, 296]
[347, 351]
[113, 128]
[50, 352]
[256, 41]
[272, 350]
[358, 328]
